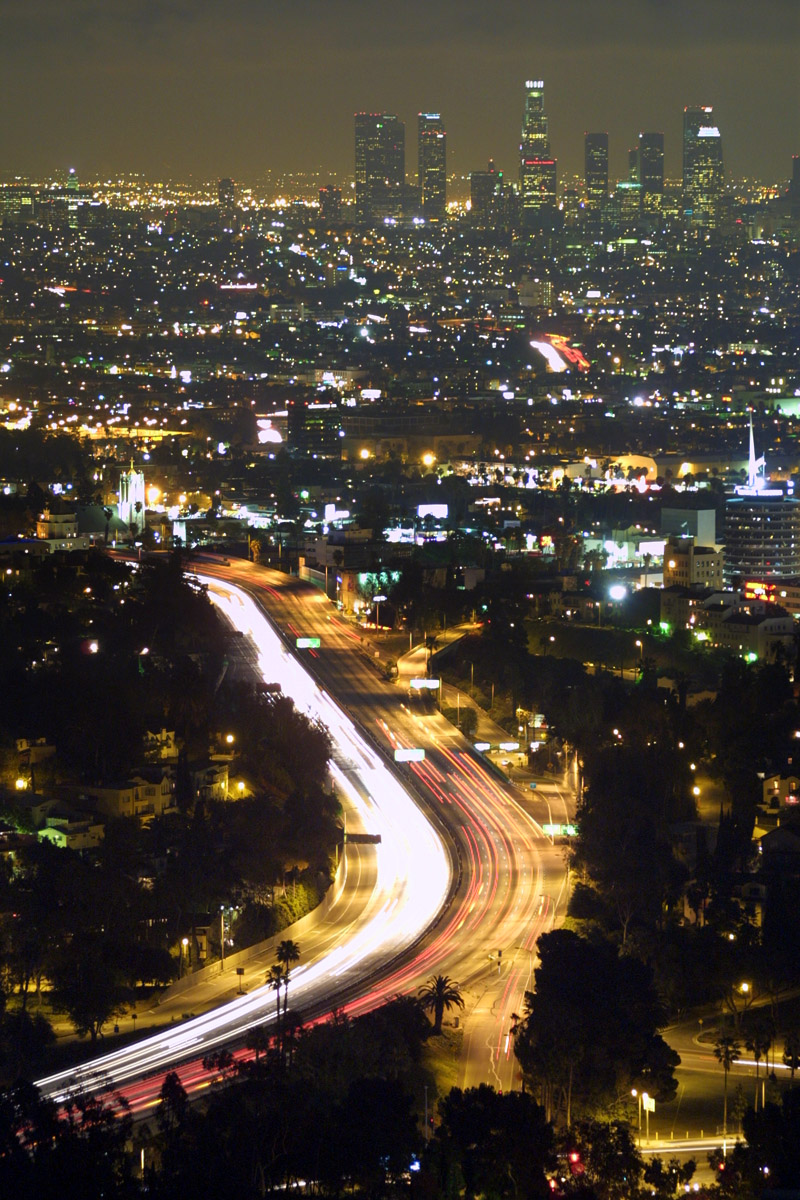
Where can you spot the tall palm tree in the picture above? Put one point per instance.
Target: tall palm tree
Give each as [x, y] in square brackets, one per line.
[275, 981]
[726, 1051]
[440, 993]
[791, 1051]
[288, 952]
[759, 1043]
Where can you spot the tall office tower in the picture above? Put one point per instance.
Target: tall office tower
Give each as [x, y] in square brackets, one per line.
[633, 165]
[702, 167]
[651, 164]
[794, 188]
[330, 204]
[595, 157]
[483, 187]
[537, 169]
[380, 166]
[432, 165]
[226, 204]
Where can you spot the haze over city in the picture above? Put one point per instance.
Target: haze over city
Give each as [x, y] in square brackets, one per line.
[195, 88]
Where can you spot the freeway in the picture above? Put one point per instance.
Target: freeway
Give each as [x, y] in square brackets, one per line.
[379, 916]
[463, 881]
[512, 880]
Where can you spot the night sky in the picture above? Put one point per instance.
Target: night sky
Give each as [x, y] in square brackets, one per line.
[232, 87]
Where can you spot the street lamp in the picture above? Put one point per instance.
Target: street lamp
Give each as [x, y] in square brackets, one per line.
[638, 1096]
[184, 948]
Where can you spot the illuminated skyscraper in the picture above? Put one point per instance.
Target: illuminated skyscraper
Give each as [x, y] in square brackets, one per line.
[380, 166]
[702, 167]
[595, 151]
[432, 165]
[538, 169]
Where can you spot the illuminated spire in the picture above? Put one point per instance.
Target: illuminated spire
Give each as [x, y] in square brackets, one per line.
[755, 466]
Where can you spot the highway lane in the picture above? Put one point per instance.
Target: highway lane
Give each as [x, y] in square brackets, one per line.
[510, 880]
[513, 879]
[412, 877]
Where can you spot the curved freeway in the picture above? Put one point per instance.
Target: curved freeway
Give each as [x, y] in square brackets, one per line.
[474, 913]
[512, 880]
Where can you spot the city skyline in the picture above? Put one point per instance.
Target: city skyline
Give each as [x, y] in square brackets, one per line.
[187, 90]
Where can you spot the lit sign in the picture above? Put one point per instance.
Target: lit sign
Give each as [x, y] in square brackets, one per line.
[509, 746]
[438, 511]
[421, 684]
[411, 754]
[308, 643]
[483, 746]
[560, 830]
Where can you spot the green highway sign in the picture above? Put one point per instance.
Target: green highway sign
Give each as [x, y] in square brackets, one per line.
[560, 830]
[425, 684]
[308, 643]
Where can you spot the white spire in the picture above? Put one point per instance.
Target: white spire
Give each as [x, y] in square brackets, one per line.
[755, 468]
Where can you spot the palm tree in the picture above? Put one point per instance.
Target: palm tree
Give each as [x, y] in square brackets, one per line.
[726, 1052]
[791, 1051]
[288, 952]
[440, 993]
[759, 1042]
[275, 981]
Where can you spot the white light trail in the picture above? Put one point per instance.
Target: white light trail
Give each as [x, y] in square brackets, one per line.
[413, 877]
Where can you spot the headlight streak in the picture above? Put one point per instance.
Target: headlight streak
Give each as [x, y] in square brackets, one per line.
[413, 880]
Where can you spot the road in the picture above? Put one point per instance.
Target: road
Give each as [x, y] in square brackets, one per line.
[513, 880]
[462, 883]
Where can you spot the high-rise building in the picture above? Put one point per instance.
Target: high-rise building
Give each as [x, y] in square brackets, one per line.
[226, 203]
[595, 151]
[483, 187]
[633, 165]
[762, 528]
[380, 166]
[330, 204]
[651, 164]
[538, 168]
[432, 165]
[794, 188]
[702, 167]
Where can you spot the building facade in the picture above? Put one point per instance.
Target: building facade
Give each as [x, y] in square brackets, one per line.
[380, 166]
[432, 165]
[595, 170]
[538, 168]
[703, 174]
[762, 536]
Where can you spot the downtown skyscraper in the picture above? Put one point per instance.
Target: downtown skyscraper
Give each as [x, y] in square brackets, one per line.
[380, 175]
[432, 165]
[538, 168]
[703, 174]
[595, 170]
[651, 164]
